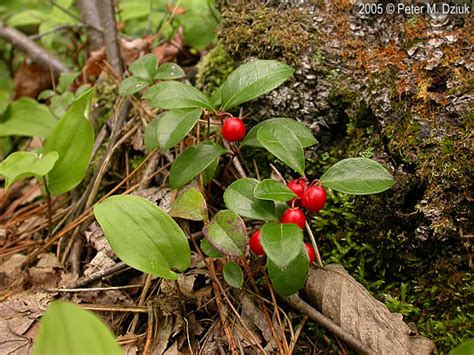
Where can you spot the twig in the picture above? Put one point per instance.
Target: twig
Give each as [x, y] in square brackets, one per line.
[97, 276]
[141, 301]
[297, 303]
[235, 161]
[112, 308]
[53, 30]
[50, 209]
[149, 330]
[92, 289]
[298, 330]
[315, 245]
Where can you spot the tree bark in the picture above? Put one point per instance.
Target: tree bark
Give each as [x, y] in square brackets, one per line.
[90, 15]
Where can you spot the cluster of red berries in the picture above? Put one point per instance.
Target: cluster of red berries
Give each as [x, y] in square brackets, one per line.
[312, 197]
[233, 129]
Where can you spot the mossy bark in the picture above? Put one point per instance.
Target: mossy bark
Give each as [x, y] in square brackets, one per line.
[397, 89]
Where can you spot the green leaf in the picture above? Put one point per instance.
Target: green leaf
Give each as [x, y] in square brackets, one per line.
[171, 95]
[357, 176]
[233, 274]
[73, 139]
[281, 242]
[26, 18]
[26, 117]
[46, 94]
[284, 144]
[143, 235]
[210, 171]
[190, 205]
[132, 85]
[65, 81]
[465, 348]
[145, 67]
[239, 198]
[273, 190]
[170, 127]
[60, 103]
[66, 328]
[227, 233]
[209, 250]
[169, 71]
[20, 165]
[251, 80]
[289, 280]
[193, 161]
[304, 135]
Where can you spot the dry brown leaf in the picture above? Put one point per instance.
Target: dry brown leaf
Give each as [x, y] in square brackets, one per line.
[10, 269]
[30, 79]
[46, 273]
[341, 298]
[168, 51]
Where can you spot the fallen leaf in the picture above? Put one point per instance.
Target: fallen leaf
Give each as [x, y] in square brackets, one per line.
[30, 79]
[168, 51]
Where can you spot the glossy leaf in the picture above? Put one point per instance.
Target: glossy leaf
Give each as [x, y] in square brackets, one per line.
[282, 143]
[172, 95]
[190, 205]
[170, 127]
[20, 165]
[169, 71]
[233, 274]
[251, 80]
[66, 328]
[304, 135]
[239, 197]
[132, 85]
[143, 235]
[145, 67]
[465, 348]
[281, 242]
[290, 279]
[210, 171]
[73, 139]
[227, 233]
[26, 117]
[358, 176]
[66, 80]
[193, 161]
[273, 190]
[208, 249]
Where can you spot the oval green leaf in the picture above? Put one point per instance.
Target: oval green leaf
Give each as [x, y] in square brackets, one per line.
[273, 190]
[227, 233]
[210, 171]
[143, 235]
[26, 117]
[209, 250]
[173, 95]
[170, 127]
[20, 165]
[132, 85]
[233, 274]
[282, 143]
[281, 242]
[465, 348]
[145, 67]
[66, 328]
[190, 205]
[193, 161]
[73, 139]
[169, 71]
[357, 176]
[251, 80]
[286, 281]
[239, 197]
[304, 135]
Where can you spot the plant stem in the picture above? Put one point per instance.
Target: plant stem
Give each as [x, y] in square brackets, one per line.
[315, 245]
[50, 209]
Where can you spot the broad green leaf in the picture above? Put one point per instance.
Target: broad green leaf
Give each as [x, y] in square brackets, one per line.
[190, 205]
[465, 348]
[66, 328]
[210, 171]
[65, 81]
[169, 71]
[60, 103]
[173, 95]
[4, 97]
[26, 18]
[193, 161]
[304, 135]
[209, 250]
[227, 233]
[251, 80]
[26, 117]
[199, 30]
[289, 280]
[145, 67]
[73, 139]
[357, 176]
[132, 85]
[282, 242]
[239, 198]
[233, 274]
[170, 127]
[143, 235]
[284, 144]
[46, 94]
[273, 190]
[20, 165]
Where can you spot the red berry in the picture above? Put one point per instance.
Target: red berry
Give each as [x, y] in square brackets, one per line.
[298, 186]
[310, 251]
[233, 129]
[255, 245]
[294, 215]
[314, 198]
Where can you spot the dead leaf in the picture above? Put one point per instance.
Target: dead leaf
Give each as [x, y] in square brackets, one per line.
[10, 269]
[46, 272]
[30, 79]
[341, 298]
[168, 51]
[175, 10]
